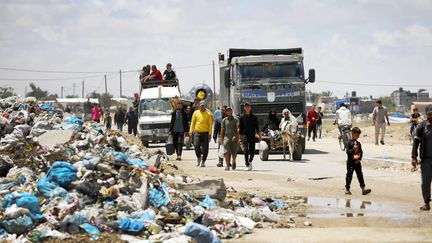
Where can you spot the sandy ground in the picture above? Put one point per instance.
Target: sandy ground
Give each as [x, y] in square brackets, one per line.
[389, 214]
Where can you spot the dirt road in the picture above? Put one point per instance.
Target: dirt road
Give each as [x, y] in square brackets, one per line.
[389, 214]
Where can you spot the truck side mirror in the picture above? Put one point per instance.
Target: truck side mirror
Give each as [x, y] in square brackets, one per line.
[311, 78]
[227, 78]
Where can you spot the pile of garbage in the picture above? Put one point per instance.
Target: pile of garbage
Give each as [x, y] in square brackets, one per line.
[98, 182]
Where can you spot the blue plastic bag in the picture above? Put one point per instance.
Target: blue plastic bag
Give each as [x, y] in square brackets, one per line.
[48, 189]
[62, 173]
[148, 216]
[129, 225]
[200, 233]
[121, 157]
[278, 204]
[74, 120]
[92, 230]
[22, 200]
[138, 163]
[19, 225]
[46, 107]
[207, 202]
[159, 198]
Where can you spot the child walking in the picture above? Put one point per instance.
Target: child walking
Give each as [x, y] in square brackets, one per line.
[355, 154]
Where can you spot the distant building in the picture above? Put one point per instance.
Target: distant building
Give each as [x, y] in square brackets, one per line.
[404, 98]
[356, 104]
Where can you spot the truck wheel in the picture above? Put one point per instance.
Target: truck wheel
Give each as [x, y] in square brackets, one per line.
[297, 155]
[145, 143]
[264, 154]
[303, 144]
[187, 142]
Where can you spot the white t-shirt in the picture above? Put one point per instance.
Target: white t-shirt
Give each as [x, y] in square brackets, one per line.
[343, 117]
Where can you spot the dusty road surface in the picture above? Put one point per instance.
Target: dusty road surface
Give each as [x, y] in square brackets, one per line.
[389, 214]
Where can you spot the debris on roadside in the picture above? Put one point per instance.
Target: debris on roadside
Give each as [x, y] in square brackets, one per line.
[97, 182]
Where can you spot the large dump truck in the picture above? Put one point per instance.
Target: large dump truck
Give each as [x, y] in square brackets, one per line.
[269, 79]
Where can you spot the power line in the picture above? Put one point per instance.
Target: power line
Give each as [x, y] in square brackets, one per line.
[49, 79]
[88, 72]
[375, 85]
[46, 71]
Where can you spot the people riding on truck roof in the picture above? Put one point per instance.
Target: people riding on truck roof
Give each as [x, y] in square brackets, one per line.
[154, 75]
[169, 73]
[144, 72]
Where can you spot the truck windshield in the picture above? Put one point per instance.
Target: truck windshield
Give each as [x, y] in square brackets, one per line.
[273, 71]
[155, 107]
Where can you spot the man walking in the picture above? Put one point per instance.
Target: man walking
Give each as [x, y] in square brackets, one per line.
[379, 117]
[230, 137]
[217, 133]
[179, 125]
[201, 129]
[132, 120]
[119, 118]
[312, 119]
[248, 130]
[423, 139]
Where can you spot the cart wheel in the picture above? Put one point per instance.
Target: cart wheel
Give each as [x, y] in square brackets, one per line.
[187, 142]
[264, 154]
[297, 155]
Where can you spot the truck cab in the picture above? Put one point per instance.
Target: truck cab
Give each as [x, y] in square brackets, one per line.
[155, 110]
[268, 79]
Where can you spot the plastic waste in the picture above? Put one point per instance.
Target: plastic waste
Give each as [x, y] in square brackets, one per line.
[22, 200]
[18, 225]
[207, 202]
[129, 225]
[159, 198]
[92, 230]
[74, 120]
[200, 233]
[62, 173]
[49, 189]
[138, 163]
[5, 165]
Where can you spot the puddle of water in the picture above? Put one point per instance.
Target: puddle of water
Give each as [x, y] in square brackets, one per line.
[350, 208]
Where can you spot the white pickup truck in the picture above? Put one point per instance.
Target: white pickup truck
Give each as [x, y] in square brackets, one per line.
[155, 111]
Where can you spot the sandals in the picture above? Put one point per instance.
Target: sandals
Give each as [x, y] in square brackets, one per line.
[366, 191]
[425, 207]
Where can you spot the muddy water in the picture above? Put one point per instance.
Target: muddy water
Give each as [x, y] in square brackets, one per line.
[324, 207]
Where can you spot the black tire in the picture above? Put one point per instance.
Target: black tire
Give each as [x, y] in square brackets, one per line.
[264, 154]
[145, 143]
[297, 155]
[303, 143]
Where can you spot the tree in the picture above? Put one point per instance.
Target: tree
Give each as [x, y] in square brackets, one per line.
[104, 99]
[327, 93]
[388, 103]
[6, 92]
[37, 92]
[72, 96]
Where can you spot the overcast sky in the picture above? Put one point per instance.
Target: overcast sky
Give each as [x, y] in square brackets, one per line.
[368, 42]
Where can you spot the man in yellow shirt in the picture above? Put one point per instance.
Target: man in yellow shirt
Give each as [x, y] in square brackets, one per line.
[201, 129]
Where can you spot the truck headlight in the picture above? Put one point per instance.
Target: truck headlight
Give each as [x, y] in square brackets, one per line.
[144, 127]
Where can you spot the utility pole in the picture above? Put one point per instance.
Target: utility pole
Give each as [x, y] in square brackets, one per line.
[25, 91]
[106, 88]
[121, 93]
[73, 89]
[214, 86]
[82, 90]
[61, 92]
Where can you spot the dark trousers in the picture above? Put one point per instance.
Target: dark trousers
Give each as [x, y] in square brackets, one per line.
[120, 126]
[201, 144]
[351, 167]
[249, 149]
[312, 129]
[178, 142]
[426, 174]
[133, 128]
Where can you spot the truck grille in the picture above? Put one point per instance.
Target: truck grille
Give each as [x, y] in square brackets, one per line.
[155, 126]
[260, 109]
